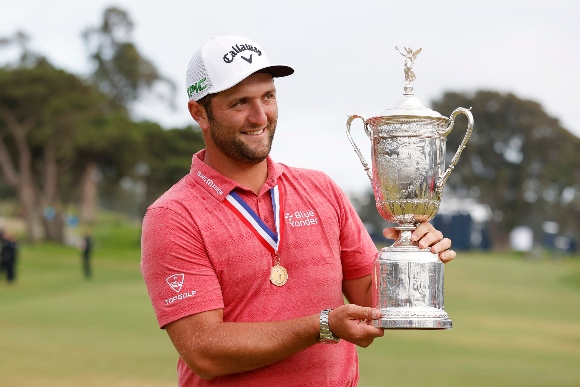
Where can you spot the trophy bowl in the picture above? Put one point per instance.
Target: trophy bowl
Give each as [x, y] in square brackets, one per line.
[408, 176]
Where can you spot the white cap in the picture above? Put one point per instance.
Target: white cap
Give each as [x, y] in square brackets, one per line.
[224, 62]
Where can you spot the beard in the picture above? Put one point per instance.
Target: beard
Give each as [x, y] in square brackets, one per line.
[230, 143]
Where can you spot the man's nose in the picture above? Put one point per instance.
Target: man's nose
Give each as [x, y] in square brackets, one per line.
[258, 114]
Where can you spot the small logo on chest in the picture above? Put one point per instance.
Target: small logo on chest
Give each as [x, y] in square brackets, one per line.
[301, 218]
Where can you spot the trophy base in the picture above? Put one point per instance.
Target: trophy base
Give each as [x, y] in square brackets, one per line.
[413, 323]
[408, 289]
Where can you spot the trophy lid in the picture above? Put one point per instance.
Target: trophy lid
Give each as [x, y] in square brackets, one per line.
[409, 104]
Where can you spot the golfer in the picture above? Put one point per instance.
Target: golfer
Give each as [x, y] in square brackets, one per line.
[248, 261]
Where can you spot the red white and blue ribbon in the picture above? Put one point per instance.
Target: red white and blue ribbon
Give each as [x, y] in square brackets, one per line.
[269, 238]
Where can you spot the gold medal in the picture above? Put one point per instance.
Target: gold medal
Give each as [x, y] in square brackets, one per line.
[278, 275]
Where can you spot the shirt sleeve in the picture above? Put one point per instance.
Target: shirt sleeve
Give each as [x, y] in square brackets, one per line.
[357, 250]
[178, 273]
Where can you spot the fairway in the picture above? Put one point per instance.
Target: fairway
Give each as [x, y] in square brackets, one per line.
[515, 323]
[57, 329]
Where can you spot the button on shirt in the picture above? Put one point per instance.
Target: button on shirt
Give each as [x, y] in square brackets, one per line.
[197, 256]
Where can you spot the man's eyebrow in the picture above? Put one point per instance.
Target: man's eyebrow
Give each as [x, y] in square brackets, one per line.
[237, 99]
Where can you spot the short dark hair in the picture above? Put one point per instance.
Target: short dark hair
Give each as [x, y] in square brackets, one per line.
[206, 103]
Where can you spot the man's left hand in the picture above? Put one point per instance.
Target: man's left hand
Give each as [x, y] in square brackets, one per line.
[427, 236]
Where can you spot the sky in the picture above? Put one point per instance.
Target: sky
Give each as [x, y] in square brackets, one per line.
[344, 57]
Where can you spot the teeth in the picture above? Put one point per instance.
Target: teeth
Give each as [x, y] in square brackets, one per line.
[255, 133]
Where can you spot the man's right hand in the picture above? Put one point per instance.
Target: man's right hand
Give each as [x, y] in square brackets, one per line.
[212, 347]
[353, 323]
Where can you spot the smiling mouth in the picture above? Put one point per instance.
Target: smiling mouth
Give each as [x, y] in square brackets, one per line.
[254, 133]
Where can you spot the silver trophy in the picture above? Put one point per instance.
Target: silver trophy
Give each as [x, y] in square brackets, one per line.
[408, 176]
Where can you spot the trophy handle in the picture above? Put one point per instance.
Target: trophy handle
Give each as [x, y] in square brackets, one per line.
[360, 156]
[443, 178]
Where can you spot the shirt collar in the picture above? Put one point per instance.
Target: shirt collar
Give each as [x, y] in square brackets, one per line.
[220, 186]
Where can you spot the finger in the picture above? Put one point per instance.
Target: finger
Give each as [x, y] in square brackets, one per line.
[442, 245]
[368, 329]
[390, 233]
[363, 313]
[431, 238]
[422, 230]
[371, 332]
[447, 255]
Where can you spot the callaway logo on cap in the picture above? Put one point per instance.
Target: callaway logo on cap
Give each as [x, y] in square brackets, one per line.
[224, 62]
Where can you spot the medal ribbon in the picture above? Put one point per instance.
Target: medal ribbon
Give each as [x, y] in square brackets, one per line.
[267, 237]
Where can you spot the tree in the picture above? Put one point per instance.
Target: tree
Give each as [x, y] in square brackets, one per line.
[519, 161]
[160, 158]
[27, 58]
[120, 70]
[60, 136]
[42, 112]
[107, 151]
[168, 157]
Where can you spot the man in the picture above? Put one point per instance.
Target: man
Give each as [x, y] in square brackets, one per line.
[8, 255]
[246, 260]
[86, 248]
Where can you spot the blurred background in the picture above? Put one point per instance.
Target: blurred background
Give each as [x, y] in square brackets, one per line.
[94, 127]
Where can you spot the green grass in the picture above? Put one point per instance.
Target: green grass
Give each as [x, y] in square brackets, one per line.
[57, 329]
[516, 323]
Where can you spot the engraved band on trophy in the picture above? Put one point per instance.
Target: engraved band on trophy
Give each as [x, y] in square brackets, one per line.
[408, 176]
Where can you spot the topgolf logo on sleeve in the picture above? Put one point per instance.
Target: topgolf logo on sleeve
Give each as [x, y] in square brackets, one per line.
[175, 282]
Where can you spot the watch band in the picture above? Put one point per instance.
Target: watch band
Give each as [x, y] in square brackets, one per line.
[326, 335]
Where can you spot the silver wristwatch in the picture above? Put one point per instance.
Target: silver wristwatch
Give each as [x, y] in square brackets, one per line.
[326, 335]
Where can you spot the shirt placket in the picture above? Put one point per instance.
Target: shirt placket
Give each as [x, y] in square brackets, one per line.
[262, 206]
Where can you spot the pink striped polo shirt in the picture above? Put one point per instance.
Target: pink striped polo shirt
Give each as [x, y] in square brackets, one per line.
[197, 255]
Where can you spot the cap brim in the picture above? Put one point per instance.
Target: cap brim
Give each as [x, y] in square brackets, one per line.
[277, 71]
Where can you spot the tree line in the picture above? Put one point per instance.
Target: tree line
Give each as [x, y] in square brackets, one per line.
[69, 139]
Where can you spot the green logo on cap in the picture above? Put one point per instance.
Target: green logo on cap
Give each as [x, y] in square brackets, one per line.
[197, 87]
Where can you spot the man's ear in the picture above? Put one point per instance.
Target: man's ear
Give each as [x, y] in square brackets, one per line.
[198, 113]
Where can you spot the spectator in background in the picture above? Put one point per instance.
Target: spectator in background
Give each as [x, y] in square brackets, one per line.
[1, 247]
[86, 251]
[8, 256]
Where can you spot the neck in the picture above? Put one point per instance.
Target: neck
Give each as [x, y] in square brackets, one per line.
[252, 176]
